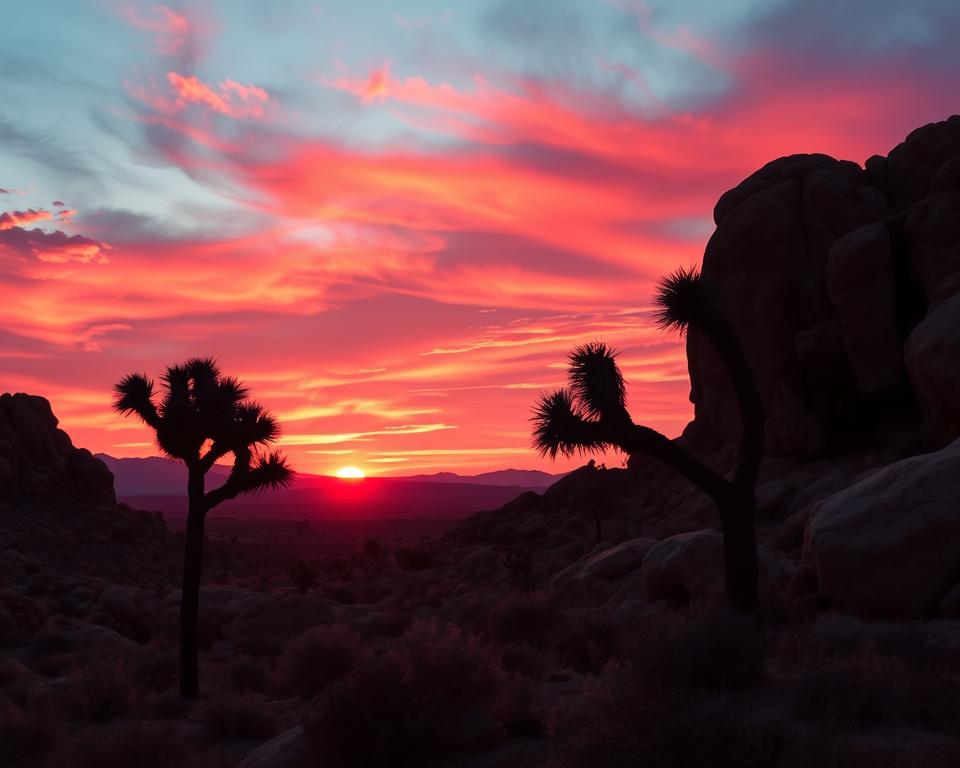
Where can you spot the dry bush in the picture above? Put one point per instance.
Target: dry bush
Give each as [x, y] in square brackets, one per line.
[246, 673]
[156, 669]
[871, 690]
[237, 716]
[144, 745]
[24, 731]
[342, 592]
[616, 722]
[587, 643]
[415, 558]
[524, 659]
[107, 686]
[316, 658]
[433, 697]
[523, 618]
[387, 623]
[521, 710]
[710, 649]
[837, 636]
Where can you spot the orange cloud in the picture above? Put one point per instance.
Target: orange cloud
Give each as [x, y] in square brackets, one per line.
[11, 219]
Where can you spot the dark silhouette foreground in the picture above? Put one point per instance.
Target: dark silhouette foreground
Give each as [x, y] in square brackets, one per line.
[592, 415]
[201, 417]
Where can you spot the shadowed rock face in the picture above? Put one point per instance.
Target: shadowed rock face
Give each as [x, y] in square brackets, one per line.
[841, 283]
[38, 461]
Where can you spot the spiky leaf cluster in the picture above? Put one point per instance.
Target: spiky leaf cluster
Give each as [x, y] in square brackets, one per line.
[685, 298]
[579, 419]
[201, 416]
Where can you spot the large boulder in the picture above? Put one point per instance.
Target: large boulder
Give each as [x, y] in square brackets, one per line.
[768, 258]
[290, 749]
[860, 281]
[594, 578]
[38, 460]
[886, 547]
[824, 269]
[932, 355]
[685, 568]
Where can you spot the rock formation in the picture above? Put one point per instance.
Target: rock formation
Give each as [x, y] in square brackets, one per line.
[843, 284]
[38, 461]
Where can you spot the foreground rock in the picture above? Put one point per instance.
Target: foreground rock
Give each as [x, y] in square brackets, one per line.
[38, 460]
[887, 545]
[288, 750]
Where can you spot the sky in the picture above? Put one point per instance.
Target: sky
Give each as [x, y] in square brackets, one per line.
[393, 220]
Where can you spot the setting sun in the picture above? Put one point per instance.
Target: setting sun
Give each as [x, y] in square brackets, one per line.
[352, 473]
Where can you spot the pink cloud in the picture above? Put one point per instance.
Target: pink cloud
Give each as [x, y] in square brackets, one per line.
[231, 98]
[172, 30]
[11, 219]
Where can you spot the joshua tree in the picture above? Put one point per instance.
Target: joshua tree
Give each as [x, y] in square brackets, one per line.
[200, 417]
[592, 414]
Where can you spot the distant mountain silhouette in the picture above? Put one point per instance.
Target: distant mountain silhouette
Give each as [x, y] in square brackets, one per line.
[156, 476]
[151, 475]
[157, 483]
[531, 479]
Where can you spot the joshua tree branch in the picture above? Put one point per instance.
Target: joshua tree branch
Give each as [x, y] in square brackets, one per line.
[651, 443]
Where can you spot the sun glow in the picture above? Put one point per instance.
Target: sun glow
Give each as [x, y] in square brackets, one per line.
[352, 473]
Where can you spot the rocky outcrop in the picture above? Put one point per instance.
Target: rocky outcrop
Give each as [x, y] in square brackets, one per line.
[288, 750]
[887, 545]
[38, 461]
[839, 281]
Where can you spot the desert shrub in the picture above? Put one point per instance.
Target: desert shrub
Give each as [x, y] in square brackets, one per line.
[713, 649]
[237, 716]
[524, 659]
[472, 612]
[836, 636]
[341, 592]
[523, 618]
[617, 723]
[415, 558]
[156, 669]
[517, 559]
[24, 731]
[374, 554]
[144, 745]
[388, 623]
[521, 710]
[587, 643]
[303, 575]
[107, 688]
[246, 673]
[432, 698]
[316, 658]
[875, 690]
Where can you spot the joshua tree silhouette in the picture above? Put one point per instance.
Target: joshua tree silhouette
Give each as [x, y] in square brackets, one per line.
[592, 414]
[202, 416]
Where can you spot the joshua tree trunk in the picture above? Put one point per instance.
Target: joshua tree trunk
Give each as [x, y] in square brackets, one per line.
[736, 503]
[737, 519]
[190, 594]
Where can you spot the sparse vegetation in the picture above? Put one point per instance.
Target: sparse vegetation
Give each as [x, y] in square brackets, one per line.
[317, 658]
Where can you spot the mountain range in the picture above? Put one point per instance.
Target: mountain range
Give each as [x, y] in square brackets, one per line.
[158, 483]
